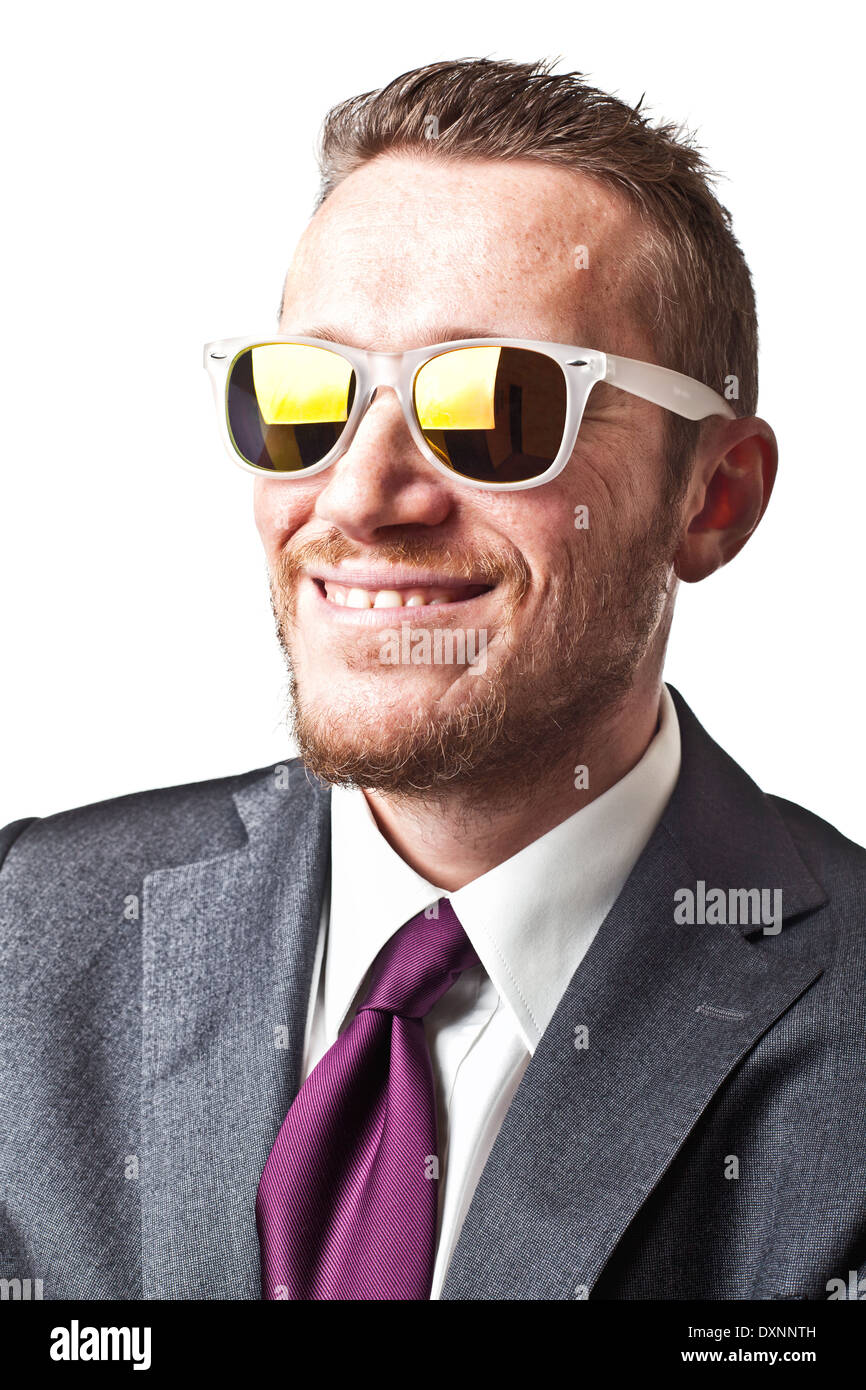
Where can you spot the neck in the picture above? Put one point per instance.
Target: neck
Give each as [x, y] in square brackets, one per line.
[452, 839]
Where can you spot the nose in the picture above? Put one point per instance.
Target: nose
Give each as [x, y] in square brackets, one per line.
[382, 480]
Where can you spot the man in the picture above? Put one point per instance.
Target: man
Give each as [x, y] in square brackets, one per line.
[514, 985]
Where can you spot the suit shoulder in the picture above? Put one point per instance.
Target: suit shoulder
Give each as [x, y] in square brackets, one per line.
[139, 831]
[834, 860]
[70, 880]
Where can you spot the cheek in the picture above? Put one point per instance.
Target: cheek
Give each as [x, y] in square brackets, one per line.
[539, 521]
[280, 508]
[616, 481]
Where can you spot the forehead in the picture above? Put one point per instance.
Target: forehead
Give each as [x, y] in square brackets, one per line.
[518, 248]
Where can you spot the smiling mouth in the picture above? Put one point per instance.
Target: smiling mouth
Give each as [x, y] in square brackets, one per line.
[398, 596]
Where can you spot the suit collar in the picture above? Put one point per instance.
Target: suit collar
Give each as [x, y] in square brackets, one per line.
[724, 826]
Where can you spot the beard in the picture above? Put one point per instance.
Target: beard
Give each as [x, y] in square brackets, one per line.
[543, 698]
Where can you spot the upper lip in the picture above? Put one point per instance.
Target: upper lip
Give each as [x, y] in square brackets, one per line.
[394, 579]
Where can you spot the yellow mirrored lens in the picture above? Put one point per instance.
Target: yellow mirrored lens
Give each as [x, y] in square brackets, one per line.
[456, 391]
[296, 384]
[493, 413]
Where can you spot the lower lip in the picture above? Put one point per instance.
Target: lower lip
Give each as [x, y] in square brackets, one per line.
[386, 617]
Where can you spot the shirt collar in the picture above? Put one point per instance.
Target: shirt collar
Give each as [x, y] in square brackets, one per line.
[531, 919]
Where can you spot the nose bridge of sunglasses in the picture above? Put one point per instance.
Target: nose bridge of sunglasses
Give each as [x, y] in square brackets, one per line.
[385, 370]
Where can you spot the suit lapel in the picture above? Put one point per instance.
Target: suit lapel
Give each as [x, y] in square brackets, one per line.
[228, 949]
[671, 1009]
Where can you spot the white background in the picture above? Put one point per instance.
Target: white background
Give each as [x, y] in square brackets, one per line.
[158, 168]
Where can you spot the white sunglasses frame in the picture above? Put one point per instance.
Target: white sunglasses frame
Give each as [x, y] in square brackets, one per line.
[581, 367]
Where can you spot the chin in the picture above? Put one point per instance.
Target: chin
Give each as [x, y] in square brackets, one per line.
[385, 700]
[405, 742]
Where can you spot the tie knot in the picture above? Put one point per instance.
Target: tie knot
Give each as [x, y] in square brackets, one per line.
[420, 963]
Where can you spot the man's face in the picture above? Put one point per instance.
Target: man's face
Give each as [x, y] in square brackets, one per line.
[406, 252]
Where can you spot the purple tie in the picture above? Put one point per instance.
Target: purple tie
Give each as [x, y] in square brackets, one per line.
[347, 1203]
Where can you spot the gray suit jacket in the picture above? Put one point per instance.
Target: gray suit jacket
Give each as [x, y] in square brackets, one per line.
[708, 1143]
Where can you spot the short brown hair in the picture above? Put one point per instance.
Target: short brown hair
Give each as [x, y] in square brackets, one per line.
[690, 284]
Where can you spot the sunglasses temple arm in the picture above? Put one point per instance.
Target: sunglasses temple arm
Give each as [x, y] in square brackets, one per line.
[671, 390]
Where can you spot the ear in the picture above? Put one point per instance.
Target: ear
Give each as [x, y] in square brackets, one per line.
[731, 485]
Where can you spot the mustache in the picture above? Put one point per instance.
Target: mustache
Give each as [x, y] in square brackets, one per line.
[486, 564]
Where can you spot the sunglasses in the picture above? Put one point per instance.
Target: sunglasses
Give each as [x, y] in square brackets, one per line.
[497, 413]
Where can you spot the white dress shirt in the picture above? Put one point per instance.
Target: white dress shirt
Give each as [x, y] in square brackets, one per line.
[530, 919]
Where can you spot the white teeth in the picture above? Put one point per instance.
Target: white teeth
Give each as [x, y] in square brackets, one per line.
[385, 598]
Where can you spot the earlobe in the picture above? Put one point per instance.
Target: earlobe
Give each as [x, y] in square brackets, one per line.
[731, 501]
